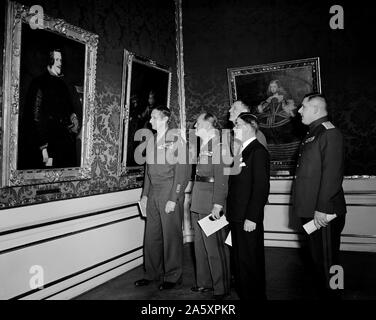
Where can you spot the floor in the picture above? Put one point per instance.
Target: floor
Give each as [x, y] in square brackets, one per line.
[286, 276]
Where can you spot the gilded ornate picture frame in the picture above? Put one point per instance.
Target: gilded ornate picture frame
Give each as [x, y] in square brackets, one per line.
[274, 93]
[145, 84]
[40, 143]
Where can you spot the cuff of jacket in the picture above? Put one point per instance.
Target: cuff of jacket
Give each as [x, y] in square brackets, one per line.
[43, 146]
[220, 201]
[174, 194]
[327, 209]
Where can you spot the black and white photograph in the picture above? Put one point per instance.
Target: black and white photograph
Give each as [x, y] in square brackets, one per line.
[189, 157]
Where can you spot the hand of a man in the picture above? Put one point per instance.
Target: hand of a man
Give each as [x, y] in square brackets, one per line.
[143, 203]
[320, 219]
[75, 124]
[249, 225]
[216, 211]
[170, 206]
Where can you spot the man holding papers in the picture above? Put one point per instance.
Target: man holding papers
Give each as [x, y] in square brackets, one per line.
[208, 198]
[247, 195]
[317, 192]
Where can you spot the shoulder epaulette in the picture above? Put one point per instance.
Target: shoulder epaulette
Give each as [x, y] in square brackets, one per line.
[328, 125]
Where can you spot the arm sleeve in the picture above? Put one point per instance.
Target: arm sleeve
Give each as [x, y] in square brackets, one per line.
[260, 185]
[146, 188]
[36, 98]
[149, 149]
[183, 172]
[220, 185]
[332, 166]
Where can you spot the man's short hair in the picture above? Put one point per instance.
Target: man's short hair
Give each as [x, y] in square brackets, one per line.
[164, 111]
[51, 58]
[250, 119]
[243, 105]
[208, 116]
[317, 96]
[313, 95]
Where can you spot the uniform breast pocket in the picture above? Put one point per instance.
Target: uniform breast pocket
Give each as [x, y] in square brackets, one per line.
[310, 164]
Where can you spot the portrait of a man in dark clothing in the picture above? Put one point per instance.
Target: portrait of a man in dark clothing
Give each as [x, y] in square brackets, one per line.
[53, 122]
[50, 118]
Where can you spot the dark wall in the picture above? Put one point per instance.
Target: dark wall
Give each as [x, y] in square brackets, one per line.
[219, 34]
[145, 27]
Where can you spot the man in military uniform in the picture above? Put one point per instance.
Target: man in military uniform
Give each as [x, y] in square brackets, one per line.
[164, 185]
[318, 186]
[209, 198]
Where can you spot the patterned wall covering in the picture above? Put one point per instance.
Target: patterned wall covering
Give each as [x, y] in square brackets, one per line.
[232, 33]
[145, 27]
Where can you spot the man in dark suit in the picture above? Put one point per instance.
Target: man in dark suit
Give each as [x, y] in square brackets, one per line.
[247, 195]
[318, 187]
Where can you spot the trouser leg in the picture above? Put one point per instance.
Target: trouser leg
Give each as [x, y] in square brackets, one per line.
[249, 258]
[172, 239]
[203, 276]
[153, 241]
[325, 245]
[219, 261]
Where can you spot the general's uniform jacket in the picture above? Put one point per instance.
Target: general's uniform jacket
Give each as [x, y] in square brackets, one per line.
[210, 164]
[159, 173]
[319, 172]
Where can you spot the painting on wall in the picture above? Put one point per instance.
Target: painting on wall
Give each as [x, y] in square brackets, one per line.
[48, 100]
[274, 93]
[146, 84]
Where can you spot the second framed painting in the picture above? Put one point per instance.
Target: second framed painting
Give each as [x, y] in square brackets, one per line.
[145, 85]
[274, 93]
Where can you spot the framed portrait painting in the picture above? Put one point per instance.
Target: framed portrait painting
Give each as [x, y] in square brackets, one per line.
[146, 84]
[274, 93]
[48, 100]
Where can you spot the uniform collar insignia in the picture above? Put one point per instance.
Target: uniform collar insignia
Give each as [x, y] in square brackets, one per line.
[309, 139]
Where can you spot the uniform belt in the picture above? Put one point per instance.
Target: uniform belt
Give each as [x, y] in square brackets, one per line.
[204, 179]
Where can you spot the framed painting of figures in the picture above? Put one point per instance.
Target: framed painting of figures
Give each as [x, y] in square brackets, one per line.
[146, 84]
[274, 93]
[48, 100]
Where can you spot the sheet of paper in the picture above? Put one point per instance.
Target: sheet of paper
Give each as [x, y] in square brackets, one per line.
[209, 227]
[310, 226]
[142, 209]
[229, 239]
[49, 162]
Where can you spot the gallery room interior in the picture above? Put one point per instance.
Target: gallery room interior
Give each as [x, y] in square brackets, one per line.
[70, 223]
